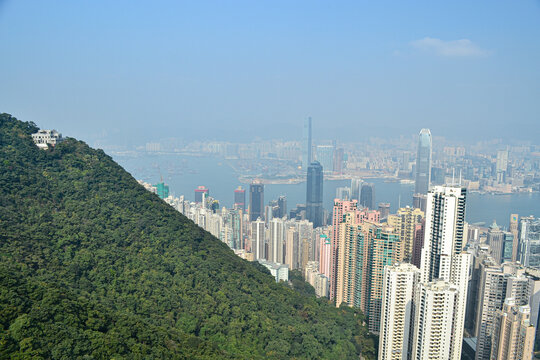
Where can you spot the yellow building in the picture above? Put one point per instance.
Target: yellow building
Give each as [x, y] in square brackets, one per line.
[404, 223]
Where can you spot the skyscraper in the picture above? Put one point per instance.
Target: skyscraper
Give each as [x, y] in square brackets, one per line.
[367, 196]
[530, 242]
[423, 162]
[514, 225]
[356, 185]
[199, 192]
[256, 201]
[306, 144]
[325, 155]
[513, 337]
[397, 315]
[384, 250]
[258, 239]
[404, 223]
[314, 197]
[442, 255]
[434, 321]
[240, 198]
[282, 206]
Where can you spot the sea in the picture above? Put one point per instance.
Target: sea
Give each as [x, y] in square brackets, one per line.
[183, 173]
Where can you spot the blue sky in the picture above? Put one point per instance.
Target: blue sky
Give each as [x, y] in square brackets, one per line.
[134, 71]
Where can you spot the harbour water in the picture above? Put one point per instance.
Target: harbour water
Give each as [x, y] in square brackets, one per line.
[184, 173]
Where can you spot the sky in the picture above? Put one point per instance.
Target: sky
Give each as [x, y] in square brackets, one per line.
[130, 72]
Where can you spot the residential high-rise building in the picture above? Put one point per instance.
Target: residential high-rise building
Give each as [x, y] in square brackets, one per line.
[258, 239]
[240, 198]
[397, 315]
[423, 162]
[434, 321]
[442, 255]
[276, 241]
[256, 201]
[325, 255]
[340, 208]
[384, 249]
[530, 242]
[292, 249]
[491, 295]
[351, 277]
[325, 156]
[513, 335]
[367, 196]
[404, 223]
[306, 145]
[419, 232]
[314, 197]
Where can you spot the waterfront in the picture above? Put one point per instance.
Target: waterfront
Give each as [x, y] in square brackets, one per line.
[184, 173]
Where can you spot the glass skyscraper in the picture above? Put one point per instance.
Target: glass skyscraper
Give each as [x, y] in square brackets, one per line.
[306, 144]
[423, 162]
[314, 198]
[256, 201]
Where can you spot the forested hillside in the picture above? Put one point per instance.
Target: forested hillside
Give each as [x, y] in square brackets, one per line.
[92, 266]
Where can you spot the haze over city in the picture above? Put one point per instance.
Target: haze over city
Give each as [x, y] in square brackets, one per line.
[270, 180]
[129, 72]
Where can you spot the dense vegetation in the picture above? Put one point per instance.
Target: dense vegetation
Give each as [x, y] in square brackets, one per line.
[92, 266]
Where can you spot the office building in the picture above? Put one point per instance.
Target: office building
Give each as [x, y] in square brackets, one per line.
[420, 201]
[325, 156]
[530, 242]
[397, 315]
[282, 207]
[201, 193]
[423, 162]
[314, 196]
[343, 193]
[384, 210]
[162, 190]
[240, 198]
[338, 161]
[501, 243]
[356, 185]
[256, 201]
[292, 249]
[367, 196]
[514, 229]
[306, 145]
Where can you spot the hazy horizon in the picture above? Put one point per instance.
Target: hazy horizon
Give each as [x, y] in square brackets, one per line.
[129, 72]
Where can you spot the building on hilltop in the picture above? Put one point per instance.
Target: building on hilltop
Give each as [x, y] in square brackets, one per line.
[45, 137]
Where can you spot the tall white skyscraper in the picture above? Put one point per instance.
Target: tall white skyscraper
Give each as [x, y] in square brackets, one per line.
[276, 241]
[443, 258]
[434, 321]
[397, 315]
[258, 238]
